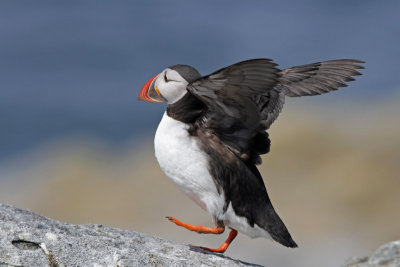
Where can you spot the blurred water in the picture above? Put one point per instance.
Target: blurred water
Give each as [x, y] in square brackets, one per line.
[75, 67]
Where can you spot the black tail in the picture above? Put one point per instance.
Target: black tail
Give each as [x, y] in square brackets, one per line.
[275, 227]
[250, 199]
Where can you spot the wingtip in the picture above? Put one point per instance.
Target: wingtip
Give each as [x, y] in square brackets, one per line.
[359, 61]
[354, 62]
[349, 61]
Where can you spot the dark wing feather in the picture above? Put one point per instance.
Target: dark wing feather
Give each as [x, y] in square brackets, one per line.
[270, 105]
[306, 80]
[232, 111]
[319, 78]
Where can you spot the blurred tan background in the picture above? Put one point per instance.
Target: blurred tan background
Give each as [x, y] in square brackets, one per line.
[332, 173]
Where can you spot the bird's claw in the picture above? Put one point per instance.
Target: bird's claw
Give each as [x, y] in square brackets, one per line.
[171, 219]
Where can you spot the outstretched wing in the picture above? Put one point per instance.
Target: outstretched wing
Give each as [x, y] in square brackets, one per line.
[319, 78]
[306, 80]
[231, 111]
[243, 100]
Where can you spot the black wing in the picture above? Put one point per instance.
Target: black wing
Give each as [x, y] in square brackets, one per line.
[231, 109]
[243, 100]
[306, 80]
[319, 78]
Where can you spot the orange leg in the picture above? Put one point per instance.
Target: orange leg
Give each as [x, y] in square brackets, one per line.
[199, 229]
[225, 245]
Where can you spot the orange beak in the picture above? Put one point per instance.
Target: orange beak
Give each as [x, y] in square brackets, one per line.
[150, 93]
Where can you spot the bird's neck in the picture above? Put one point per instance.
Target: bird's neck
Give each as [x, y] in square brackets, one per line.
[187, 109]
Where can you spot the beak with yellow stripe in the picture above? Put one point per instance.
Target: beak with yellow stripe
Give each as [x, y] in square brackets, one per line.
[150, 91]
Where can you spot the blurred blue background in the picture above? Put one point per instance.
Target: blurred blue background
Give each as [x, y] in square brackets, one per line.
[76, 144]
[69, 67]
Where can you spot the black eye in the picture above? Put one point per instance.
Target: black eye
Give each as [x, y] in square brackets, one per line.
[165, 77]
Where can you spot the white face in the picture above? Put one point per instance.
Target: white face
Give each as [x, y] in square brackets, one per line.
[171, 85]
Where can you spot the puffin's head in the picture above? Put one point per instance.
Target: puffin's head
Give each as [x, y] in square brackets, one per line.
[170, 85]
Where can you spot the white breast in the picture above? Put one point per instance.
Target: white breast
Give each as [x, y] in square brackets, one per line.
[182, 160]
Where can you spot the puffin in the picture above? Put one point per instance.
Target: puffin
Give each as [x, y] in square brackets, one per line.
[214, 130]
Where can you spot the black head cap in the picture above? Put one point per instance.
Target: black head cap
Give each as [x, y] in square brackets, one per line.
[189, 73]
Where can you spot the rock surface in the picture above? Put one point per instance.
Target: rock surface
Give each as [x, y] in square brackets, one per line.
[387, 255]
[28, 239]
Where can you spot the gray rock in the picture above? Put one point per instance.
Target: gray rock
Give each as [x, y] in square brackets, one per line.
[28, 239]
[387, 255]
